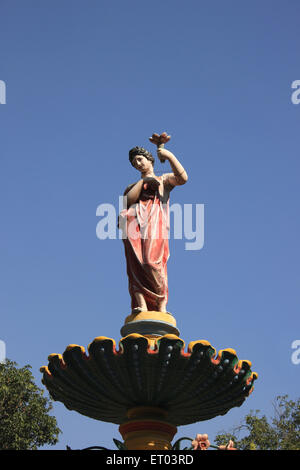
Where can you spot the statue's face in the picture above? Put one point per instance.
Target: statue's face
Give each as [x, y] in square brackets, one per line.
[141, 163]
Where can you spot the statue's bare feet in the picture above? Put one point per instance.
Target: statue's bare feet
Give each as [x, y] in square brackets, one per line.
[162, 306]
[136, 310]
[141, 303]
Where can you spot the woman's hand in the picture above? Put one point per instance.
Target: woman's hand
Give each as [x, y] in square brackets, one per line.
[160, 141]
[151, 183]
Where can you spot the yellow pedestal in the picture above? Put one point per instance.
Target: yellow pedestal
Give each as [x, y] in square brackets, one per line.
[151, 324]
[151, 315]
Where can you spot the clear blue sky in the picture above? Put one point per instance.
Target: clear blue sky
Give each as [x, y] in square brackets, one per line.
[88, 80]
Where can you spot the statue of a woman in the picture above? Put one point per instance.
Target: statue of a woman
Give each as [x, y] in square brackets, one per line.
[145, 220]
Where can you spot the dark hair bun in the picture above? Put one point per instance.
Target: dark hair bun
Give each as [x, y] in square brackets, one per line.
[140, 151]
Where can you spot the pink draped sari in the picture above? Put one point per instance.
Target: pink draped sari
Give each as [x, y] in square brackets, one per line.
[146, 225]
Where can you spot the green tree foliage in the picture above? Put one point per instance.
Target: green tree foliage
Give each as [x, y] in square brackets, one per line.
[281, 433]
[24, 420]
